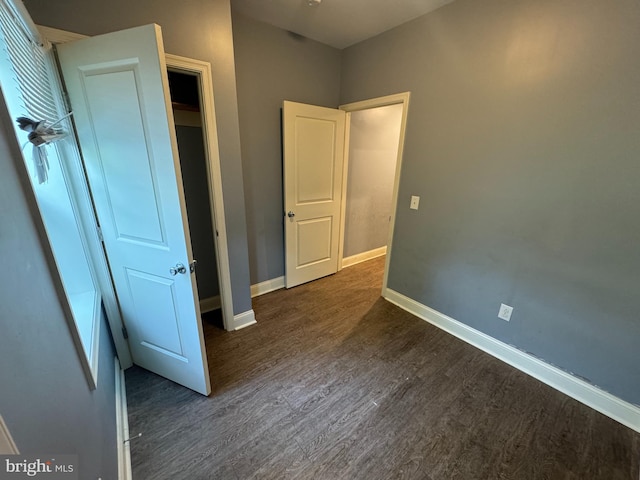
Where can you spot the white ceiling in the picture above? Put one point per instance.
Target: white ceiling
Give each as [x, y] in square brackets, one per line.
[339, 23]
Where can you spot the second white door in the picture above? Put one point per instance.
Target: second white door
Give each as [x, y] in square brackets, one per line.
[313, 144]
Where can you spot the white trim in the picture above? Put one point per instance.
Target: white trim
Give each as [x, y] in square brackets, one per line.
[244, 319]
[343, 197]
[122, 426]
[55, 35]
[364, 256]
[590, 395]
[7, 445]
[72, 170]
[402, 98]
[210, 304]
[210, 133]
[94, 361]
[267, 286]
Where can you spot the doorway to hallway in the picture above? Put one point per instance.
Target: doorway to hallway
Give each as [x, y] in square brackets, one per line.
[372, 153]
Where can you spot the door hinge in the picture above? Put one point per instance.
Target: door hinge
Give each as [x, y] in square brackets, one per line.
[99, 230]
[125, 334]
[66, 100]
[65, 94]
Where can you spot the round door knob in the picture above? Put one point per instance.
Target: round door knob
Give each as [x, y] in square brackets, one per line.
[290, 214]
[179, 268]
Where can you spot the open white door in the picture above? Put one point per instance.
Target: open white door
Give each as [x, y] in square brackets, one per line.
[313, 157]
[118, 88]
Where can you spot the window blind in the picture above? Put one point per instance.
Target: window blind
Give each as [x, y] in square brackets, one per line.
[29, 64]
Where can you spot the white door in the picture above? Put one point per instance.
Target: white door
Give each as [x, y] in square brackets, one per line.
[313, 158]
[118, 89]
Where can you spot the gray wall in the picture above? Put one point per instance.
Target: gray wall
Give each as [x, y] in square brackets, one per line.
[373, 153]
[522, 140]
[196, 192]
[273, 65]
[199, 29]
[45, 399]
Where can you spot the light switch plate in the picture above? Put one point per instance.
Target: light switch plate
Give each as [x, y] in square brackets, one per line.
[415, 201]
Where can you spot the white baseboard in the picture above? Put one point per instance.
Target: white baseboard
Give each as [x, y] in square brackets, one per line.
[364, 256]
[7, 445]
[604, 402]
[278, 282]
[267, 286]
[210, 304]
[244, 319]
[122, 426]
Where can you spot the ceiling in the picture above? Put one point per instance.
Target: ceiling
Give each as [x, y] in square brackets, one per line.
[339, 23]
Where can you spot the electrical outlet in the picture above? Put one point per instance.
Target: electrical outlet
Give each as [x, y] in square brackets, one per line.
[415, 201]
[505, 312]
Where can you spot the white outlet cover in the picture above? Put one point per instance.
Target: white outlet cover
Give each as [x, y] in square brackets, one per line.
[505, 312]
[415, 201]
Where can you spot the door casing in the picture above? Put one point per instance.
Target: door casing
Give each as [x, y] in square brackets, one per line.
[399, 98]
[202, 70]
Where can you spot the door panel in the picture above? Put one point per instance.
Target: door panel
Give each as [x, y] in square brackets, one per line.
[314, 240]
[165, 334]
[313, 158]
[119, 93]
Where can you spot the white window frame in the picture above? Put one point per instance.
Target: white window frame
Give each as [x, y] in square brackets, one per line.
[73, 175]
[56, 36]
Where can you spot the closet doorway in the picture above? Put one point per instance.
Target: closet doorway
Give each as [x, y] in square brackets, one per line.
[201, 187]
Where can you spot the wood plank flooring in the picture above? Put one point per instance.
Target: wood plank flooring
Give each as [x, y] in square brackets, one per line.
[335, 383]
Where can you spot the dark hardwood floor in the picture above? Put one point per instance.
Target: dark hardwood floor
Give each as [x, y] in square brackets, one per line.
[336, 383]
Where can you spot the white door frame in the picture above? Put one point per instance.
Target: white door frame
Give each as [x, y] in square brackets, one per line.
[202, 70]
[399, 98]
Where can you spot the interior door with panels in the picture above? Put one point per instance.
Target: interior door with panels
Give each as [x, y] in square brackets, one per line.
[313, 139]
[118, 87]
